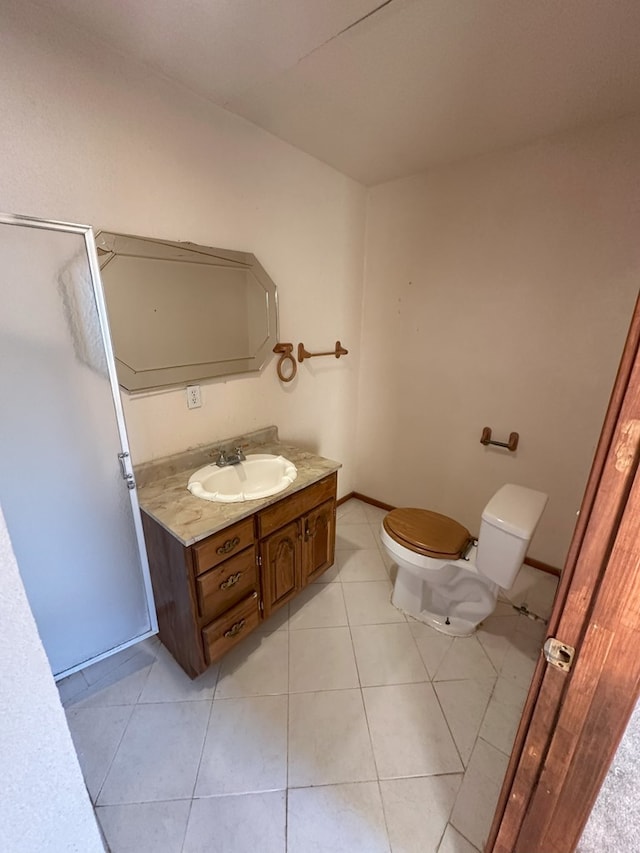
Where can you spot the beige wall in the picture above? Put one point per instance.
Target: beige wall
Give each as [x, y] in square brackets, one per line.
[498, 293]
[90, 137]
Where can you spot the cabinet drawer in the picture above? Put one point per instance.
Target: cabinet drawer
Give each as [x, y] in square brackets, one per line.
[222, 587]
[219, 636]
[290, 508]
[227, 543]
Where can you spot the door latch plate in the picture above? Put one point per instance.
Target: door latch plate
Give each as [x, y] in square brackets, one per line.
[559, 654]
[127, 476]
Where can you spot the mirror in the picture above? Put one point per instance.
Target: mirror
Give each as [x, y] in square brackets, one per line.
[180, 312]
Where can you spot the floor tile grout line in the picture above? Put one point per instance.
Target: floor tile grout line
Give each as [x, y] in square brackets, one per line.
[353, 649]
[286, 796]
[286, 792]
[375, 529]
[453, 740]
[288, 710]
[433, 681]
[448, 681]
[254, 792]
[172, 799]
[493, 746]
[486, 710]
[444, 832]
[364, 705]
[366, 717]
[103, 836]
[478, 738]
[115, 752]
[353, 782]
[133, 707]
[186, 825]
[215, 686]
[286, 815]
[430, 677]
[448, 822]
[204, 741]
[384, 815]
[463, 836]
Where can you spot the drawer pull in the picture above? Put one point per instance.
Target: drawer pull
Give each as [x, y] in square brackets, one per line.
[229, 545]
[235, 629]
[232, 580]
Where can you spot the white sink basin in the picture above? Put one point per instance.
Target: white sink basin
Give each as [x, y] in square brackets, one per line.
[259, 476]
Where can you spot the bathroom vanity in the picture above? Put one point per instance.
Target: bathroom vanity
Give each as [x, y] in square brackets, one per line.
[220, 569]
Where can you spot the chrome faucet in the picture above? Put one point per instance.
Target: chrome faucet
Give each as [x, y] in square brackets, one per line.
[230, 458]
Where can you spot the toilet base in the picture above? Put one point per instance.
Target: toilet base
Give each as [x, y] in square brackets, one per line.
[455, 609]
[452, 625]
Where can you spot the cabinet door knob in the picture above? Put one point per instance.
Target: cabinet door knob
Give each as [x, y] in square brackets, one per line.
[229, 545]
[235, 629]
[232, 580]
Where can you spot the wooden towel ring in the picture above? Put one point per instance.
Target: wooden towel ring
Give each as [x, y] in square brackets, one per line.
[286, 355]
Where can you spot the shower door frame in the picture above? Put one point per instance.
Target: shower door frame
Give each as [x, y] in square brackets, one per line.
[128, 482]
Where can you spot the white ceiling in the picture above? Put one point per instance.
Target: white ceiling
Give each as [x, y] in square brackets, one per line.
[385, 89]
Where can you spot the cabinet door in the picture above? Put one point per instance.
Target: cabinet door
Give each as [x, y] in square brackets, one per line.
[318, 540]
[281, 566]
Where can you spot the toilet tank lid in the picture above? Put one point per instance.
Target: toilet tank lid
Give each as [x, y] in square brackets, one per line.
[515, 509]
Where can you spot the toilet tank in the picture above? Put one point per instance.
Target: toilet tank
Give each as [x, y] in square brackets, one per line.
[509, 521]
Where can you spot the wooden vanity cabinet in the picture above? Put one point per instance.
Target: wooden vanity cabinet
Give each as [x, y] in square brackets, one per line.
[296, 555]
[210, 595]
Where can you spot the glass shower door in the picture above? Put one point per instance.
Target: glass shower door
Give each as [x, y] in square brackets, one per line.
[66, 485]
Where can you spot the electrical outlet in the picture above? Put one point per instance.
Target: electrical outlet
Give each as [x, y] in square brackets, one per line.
[193, 397]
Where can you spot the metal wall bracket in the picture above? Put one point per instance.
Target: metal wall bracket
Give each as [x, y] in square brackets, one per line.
[559, 654]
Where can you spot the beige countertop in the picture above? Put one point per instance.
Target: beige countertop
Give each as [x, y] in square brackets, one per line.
[163, 493]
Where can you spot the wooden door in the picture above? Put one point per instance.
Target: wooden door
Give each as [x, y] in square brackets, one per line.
[280, 557]
[573, 721]
[318, 541]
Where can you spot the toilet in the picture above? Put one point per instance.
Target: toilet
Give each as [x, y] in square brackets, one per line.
[445, 577]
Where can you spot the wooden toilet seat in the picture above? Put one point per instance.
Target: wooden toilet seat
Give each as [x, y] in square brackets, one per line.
[427, 533]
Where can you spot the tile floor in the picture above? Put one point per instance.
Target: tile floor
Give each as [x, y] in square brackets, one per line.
[341, 726]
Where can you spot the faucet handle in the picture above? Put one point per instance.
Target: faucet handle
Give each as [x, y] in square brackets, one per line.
[240, 454]
[222, 458]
